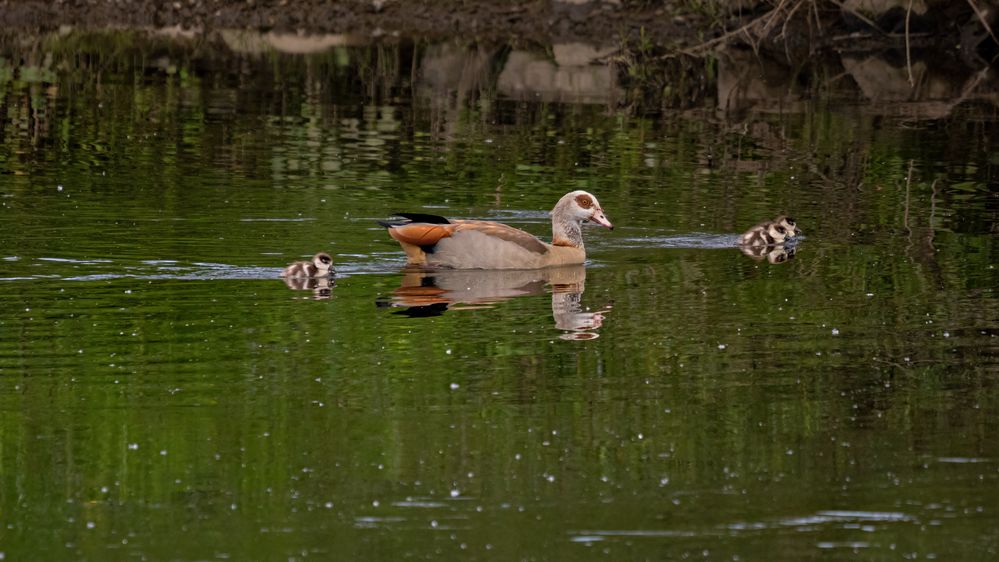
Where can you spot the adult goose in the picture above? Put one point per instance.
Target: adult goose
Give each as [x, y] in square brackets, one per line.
[434, 241]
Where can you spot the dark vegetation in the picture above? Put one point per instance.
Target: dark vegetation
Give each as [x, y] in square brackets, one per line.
[689, 26]
[794, 38]
[666, 51]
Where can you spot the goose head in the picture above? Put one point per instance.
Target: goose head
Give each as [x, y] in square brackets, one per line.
[579, 207]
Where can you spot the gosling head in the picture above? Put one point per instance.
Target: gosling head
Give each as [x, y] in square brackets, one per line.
[777, 233]
[323, 262]
[789, 225]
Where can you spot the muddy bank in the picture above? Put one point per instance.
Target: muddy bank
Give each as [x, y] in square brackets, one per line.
[474, 20]
[795, 27]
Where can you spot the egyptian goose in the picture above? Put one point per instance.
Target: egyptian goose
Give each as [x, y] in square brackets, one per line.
[433, 241]
[320, 266]
[770, 233]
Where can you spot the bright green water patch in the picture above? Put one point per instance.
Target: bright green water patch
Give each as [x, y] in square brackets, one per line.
[163, 394]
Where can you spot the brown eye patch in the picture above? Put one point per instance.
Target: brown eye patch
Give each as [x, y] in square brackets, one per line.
[781, 229]
[584, 201]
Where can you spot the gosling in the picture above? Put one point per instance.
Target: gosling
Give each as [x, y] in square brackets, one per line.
[320, 266]
[770, 233]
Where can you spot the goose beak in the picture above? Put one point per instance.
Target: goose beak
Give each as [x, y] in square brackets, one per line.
[599, 218]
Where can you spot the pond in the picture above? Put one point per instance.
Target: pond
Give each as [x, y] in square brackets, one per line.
[165, 395]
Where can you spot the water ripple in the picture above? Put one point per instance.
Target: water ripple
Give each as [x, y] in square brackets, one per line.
[158, 269]
[694, 240]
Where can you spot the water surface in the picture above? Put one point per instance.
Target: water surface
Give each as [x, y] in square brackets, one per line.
[163, 394]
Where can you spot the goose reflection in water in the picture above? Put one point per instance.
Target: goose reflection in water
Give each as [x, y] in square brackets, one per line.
[773, 254]
[432, 292]
[321, 287]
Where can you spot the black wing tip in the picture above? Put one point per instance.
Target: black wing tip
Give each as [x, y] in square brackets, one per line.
[423, 217]
[414, 217]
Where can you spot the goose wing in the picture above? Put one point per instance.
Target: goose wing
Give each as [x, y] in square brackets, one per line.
[426, 235]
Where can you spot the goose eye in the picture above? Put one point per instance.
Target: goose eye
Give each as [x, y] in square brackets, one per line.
[584, 200]
[781, 229]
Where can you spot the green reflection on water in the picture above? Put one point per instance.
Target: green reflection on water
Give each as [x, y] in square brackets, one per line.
[163, 394]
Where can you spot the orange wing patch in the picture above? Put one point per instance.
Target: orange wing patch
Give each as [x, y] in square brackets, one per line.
[421, 234]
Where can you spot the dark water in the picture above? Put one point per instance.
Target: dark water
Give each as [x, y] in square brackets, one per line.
[164, 395]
